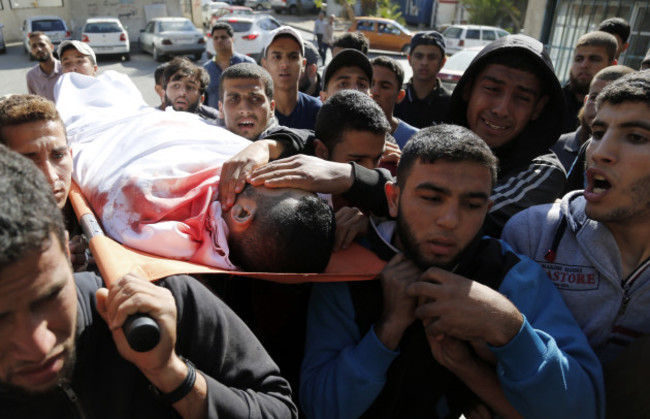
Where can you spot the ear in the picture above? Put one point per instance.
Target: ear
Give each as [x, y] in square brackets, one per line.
[241, 215]
[95, 70]
[220, 106]
[401, 95]
[539, 107]
[320, 150]
[272, 107]
[392, 194]
[202, 99]
[304, 63]
[312, 69]
[614, 62]
[263, 61]
[584, 102]
[625, 46]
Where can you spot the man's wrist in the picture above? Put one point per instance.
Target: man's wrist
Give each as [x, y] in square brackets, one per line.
[169, 377]
[178, 391]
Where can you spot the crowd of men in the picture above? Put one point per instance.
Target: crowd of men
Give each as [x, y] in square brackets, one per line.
[512, 216]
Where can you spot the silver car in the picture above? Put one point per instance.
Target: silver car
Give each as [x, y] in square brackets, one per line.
[106, 35]
[165, 36]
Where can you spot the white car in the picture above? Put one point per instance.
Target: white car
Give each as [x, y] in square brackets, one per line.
[251, 33]
[165, 36]
[106, 35]
[459, 37]
[456, 65]
[208, 9]
[53, 26]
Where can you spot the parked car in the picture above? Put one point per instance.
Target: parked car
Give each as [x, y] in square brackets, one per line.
[258, 4]
[251, 33]
[383, 34]
[458, 37]
[106, 35]
[230, 10]
[53, 26]
[456, 65]
[165, 36]
[291, 6]
[3, 46]
[208, 9]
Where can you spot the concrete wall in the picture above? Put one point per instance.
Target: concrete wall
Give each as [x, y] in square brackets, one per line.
[534, 19]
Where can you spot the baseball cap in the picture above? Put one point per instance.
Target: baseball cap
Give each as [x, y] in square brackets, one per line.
[82, 47]
[286, 30]
[349, 57]
[428, 38]
[311, 53]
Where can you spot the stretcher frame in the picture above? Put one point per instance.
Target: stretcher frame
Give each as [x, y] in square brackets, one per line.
[114, 260]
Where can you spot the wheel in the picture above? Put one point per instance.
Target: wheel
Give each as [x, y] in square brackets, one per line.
[406, 49]
[293, 9]
[126, 57]
[156, 55]
[198, 56]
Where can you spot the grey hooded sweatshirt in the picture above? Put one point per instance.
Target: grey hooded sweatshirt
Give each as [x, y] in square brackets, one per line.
[581, 257]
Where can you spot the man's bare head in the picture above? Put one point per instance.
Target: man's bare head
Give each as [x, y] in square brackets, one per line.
[280, 230]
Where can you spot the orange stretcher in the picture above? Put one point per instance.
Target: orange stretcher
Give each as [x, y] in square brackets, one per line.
[115, 260]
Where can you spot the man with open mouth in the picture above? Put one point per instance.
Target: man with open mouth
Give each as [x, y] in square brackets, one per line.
[594, 243]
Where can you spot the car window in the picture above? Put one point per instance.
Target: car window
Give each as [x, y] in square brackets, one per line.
[452, 32]
[365, 25]
[501, 33]
[473, 34]
[488, 35]
[149, 27]
[240, 25]
[47, 25]
[102, 27]
[185, 26]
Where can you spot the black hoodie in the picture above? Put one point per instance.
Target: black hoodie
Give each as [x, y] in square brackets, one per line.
[529, 172]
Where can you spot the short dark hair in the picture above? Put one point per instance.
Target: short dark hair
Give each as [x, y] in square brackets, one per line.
[22, 109]
[634, 87]
[599, 39]
[348, 110]
[29, 215]
[392, 65]
[355, 40]
[247, 71]
[612, 72]
[288, 234]
[223, 26]
[186, 68]
[40, 33]
[616, 26]
[158, 74]
[445, 142]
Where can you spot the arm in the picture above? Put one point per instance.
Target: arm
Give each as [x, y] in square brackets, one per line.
[541, 182]
[343, 372]
[360, 186]
[235, 376]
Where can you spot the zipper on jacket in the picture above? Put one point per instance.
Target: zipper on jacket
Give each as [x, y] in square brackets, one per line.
[74, 399]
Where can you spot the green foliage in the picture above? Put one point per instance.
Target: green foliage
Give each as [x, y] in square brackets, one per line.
[496, 12]
[389, 10]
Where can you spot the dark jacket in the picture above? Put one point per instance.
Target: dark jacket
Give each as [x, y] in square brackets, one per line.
[529, 173]
[242, 380]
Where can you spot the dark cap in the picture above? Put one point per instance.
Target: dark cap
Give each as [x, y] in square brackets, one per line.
[428, 38]
[347, 58]
[311, 53]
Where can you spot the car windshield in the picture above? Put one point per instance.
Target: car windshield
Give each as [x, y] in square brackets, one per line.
[181, 26]
[47, 25]
[102, 27]
[406, 31]
[452, 32]
[460, 60]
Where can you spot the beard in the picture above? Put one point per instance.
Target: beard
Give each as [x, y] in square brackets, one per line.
[410, 246]
[44, 58]
[638, 209]
[191, 108]
[65, 375]
[577, 86]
